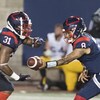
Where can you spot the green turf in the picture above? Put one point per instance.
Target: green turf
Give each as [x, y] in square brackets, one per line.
[44, 96]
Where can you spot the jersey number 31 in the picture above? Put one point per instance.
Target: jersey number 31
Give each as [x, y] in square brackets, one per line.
[7, 40]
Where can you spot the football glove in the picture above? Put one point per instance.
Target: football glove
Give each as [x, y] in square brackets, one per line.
[37, 42]
[23, 77]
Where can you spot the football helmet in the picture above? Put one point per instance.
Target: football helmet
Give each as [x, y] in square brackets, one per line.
[73, 27]
[20, 24]
[96, 16]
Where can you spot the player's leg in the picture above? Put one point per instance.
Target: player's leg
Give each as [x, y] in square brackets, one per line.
[71, 71]
[5, 94]
[75, 66]
[6, 88]
[43, 75]
[78, 97]
[43, 71]
[70, 80]
[91, 89]
[43, 82]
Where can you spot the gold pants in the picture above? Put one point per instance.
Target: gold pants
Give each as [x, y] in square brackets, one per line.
[71, 72]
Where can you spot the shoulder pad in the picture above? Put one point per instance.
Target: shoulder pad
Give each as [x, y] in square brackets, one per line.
[82, 42]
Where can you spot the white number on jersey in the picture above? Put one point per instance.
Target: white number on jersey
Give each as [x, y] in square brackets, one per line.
[6, 40]
[83, 45]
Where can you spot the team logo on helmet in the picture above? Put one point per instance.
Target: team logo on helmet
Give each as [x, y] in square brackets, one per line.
[74, 24]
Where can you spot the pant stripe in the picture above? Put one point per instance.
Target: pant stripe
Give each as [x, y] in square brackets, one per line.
[96, 81]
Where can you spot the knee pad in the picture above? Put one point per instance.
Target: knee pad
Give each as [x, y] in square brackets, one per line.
[78, 97]
[4, 96]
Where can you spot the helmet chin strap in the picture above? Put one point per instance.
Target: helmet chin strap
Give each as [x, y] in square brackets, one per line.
[70, 41]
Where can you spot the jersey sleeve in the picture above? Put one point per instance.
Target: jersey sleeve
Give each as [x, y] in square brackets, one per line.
[82, 44]
[7, 41]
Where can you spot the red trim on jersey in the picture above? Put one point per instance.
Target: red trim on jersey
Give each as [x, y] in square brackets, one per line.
[78, 97]
[11, 35]
[4, 96]
[80, 39]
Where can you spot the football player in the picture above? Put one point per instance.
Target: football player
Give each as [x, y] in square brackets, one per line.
[56, 48]
[16, 32]
[86, 51]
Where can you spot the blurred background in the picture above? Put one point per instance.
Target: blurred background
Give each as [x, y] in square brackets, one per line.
[45, 14]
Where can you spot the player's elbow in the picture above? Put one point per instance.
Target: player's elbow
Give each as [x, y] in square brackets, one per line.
[2, 65]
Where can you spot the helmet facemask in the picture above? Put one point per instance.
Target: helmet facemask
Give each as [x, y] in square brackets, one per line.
[69, 35]
[24, 29]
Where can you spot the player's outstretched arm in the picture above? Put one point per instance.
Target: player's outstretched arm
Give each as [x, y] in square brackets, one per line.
[77, 53]
[5, 53]
[33, 42]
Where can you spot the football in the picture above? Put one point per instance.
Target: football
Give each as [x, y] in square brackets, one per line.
[34, 62]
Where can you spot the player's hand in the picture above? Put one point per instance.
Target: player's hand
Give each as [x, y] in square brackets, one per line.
[38, 42]
[23, 77]
[83, 76]
[43, 66]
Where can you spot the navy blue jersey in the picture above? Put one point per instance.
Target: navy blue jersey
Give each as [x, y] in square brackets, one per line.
[92, 60]
[8, 38]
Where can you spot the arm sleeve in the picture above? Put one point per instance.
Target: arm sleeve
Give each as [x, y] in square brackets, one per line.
[7, 41]
[83, 44]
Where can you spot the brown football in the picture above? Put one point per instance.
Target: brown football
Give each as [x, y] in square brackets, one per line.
[34, 62]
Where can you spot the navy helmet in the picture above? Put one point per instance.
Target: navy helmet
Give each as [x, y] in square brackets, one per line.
[76, 23]
[20, 24]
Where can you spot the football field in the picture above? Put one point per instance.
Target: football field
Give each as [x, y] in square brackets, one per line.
[44, 96]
